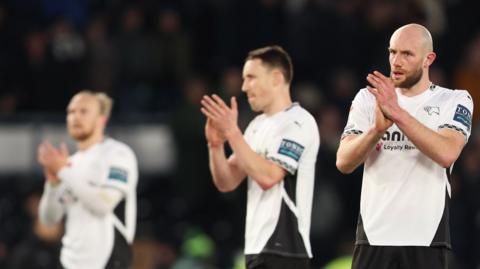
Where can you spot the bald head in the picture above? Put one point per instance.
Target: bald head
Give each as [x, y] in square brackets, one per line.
[411, 54]
[415, 35]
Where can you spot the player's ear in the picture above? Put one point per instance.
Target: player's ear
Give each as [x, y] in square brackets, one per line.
[431, 56]
[103, 120]
[277, 77]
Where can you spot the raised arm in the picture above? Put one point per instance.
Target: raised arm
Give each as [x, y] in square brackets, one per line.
[97, 198]
[225, 172]
[443, 146]
[244, 161]
[355, 148]
[51, 210]
[263, 171]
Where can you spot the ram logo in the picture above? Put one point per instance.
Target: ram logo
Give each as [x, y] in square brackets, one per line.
[432, 110]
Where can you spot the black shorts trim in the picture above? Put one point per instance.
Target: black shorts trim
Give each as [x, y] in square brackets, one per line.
[273, 261]
[401, 257]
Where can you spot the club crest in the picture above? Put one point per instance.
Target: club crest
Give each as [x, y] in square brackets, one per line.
[432, 110]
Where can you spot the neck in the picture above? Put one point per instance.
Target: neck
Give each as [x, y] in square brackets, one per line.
[279, 103]
[92, 140]
[418, 88]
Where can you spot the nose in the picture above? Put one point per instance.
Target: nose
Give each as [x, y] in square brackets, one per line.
[396, 60]
[244, 87]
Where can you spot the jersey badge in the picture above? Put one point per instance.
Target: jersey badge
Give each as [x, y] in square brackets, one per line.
[463, 115]
[118, 174]
[291, 149]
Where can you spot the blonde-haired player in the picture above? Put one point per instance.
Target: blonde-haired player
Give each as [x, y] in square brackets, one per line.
[94, 189]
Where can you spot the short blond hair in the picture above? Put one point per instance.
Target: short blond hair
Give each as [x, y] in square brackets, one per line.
[105, 102]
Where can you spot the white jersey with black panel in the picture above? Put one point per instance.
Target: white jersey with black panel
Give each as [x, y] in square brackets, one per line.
[405, 194]
[109, 167]
[278, 219]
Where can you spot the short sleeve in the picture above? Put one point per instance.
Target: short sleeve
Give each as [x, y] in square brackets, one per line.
[288, 145]
[121, 169]
[360, 115]
[458, 115]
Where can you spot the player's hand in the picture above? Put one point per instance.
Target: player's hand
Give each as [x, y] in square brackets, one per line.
[384, 91]
[222, 117]
[52, 159]
[213, 135]
[382, 123]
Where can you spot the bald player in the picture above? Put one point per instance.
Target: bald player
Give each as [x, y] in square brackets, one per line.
[408, 133]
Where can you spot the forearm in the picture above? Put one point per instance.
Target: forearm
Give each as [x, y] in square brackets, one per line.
[225, 176]
[441, 149]
[263, 171]
[97, 199]
[50, 209]
[353, 151]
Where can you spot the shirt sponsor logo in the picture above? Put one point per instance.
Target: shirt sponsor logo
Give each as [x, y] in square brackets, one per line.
[390, 142]
[463, 115]
[291, 149]
[393, 136]
[404, 147]
[117, 173]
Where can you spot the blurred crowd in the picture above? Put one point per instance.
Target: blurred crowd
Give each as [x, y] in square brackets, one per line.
[158, 58]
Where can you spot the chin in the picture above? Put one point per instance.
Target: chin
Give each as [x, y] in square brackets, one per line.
[79, 136]
[254, 108]
[399, 83]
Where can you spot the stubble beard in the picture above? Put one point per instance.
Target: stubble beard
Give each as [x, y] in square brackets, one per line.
[410, 81]
[82, 135]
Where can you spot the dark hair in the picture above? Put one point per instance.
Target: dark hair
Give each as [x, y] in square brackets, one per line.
[274, 57]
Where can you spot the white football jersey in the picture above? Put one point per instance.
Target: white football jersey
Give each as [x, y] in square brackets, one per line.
[278, 219]
[90, 235]
[405, 194]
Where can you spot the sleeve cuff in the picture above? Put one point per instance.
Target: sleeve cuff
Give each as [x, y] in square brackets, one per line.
[290, 168]
[453, 127]
[351, 132]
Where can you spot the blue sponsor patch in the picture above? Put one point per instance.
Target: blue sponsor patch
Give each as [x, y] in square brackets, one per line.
[117, 173]
[463, 115]
[291, 149]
